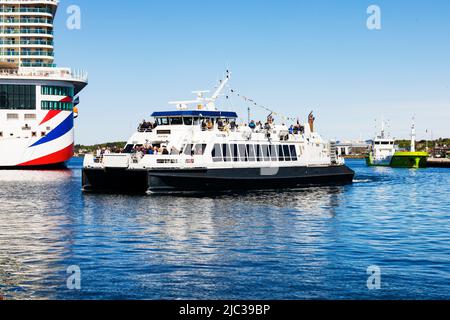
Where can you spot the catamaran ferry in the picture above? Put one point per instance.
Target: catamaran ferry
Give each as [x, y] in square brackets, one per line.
[37, 100]
[204, 149]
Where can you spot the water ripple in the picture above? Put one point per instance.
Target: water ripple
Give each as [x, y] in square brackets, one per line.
[298, 244]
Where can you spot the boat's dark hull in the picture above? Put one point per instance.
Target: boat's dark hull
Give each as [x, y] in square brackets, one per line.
[210, 180]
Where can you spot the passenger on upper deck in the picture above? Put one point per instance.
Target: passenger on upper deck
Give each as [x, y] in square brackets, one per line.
[146, 126]
[220, 125]
[210, 125]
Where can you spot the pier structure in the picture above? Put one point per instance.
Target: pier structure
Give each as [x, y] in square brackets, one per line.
[348, 148]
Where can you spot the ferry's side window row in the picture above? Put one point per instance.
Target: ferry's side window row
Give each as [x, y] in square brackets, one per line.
[195, 149]
[17, 97]
[252, 153]
[57, 91]
[56, 105]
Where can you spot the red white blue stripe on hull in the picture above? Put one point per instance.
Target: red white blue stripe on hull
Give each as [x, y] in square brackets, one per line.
[55, 147]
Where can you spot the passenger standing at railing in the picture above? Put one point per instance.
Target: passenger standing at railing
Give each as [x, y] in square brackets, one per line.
[220, 125]
[210, 125]
[227, 128]
[233, 125]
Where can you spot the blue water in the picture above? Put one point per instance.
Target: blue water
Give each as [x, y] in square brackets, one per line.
[308, 244]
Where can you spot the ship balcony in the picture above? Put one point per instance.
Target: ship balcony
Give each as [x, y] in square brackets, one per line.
[28, 32]
[29, 54]
[26, 43]
[29, 21]
[39, 54]
[25, 10]
[38, 65]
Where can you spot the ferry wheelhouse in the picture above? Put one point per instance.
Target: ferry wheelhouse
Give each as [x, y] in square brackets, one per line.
[204, 149]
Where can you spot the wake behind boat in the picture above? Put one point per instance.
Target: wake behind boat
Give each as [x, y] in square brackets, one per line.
[204, 149]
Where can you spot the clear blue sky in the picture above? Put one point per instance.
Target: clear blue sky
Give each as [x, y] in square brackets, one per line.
[294, 56]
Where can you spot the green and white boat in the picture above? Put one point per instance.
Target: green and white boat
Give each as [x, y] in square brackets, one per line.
[385, 153]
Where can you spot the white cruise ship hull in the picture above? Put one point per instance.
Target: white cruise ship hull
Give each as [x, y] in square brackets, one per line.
[48, 142]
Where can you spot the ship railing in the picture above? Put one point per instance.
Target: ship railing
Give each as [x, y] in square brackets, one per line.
[111, 160]
[51, 73]
[171, 161]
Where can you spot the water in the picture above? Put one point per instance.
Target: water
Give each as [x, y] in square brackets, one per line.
[308, 244]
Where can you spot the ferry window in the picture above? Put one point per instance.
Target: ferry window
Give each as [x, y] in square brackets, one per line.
[226, 153]
[265, 152]
[176, 121]
[243, 152]
[259, 156]
[217, 153]
[234, 149]
[196, 120]
[188, 150]
[286, 151]
[187, 121]
[128, 148]
[273, 153]
[199, 149]
[293, 153]
[251, 152]
[280, 153]
[21, 97]
[163, 121]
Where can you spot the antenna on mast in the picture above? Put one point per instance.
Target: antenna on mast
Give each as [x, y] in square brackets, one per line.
[202, 101]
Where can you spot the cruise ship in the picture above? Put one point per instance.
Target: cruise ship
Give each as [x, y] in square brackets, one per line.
[38, 101]
[201, 148]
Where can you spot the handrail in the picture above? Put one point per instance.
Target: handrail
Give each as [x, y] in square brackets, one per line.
[27, 20]
[51, 72]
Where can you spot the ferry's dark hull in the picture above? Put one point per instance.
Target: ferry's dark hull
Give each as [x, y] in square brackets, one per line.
[213, 180]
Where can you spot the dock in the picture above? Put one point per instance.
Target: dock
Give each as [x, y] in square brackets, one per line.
[438, 163]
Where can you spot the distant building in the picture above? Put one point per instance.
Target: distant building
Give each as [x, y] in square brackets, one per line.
[441, 152]
[346, 148]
